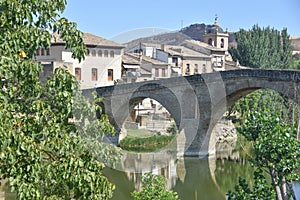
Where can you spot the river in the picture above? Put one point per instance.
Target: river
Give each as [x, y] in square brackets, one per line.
[191, 178]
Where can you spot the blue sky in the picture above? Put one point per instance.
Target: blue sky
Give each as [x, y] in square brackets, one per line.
[117, 19]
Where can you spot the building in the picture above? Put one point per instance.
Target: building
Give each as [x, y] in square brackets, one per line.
[215, 44]
[101, 67]
[183, 61]
[132, 71]
[157, 69]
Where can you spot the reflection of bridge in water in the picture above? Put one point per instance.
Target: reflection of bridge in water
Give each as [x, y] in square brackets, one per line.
[195, 102]
[192, 178]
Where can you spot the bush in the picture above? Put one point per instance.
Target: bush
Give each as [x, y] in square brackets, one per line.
[154, 189]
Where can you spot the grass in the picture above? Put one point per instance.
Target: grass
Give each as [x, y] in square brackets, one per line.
[141, 133]
[145, 144]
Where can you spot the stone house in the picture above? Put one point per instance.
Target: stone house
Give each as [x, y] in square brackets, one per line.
[183, 61]
[101, 67]
[157, 69]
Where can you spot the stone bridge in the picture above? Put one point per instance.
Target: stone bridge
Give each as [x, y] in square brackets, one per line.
[195, 102]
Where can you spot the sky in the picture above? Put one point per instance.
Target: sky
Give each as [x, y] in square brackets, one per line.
[122, 20]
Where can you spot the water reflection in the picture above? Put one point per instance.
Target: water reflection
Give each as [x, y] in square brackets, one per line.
[191, 178]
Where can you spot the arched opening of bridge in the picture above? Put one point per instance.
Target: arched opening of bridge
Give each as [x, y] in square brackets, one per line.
[148, 127]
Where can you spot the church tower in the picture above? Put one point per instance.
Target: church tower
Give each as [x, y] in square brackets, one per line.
[216, 37]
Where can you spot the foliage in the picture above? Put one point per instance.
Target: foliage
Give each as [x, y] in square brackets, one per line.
[276, 151]
[296, 56]
[47, 130]
[146, 144]
[266, 99]
[172, 129]
[265, 48]
[296, 64]
[154, 189]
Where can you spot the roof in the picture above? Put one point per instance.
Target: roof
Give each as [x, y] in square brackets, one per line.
[183, 51]
[129, 59]
[136, 57]
[145, 71]
[90, 39]
[205, 45]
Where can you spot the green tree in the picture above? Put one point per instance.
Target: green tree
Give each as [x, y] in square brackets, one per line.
[154, 189]
[47, 130]
[276, 154]
[264, 48]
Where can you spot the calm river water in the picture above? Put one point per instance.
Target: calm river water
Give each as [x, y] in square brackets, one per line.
[191, 178]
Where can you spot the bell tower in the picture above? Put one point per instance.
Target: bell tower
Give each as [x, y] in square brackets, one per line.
[216, 37]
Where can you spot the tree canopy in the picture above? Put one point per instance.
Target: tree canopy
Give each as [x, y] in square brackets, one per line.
[47, 129]
[264, 48]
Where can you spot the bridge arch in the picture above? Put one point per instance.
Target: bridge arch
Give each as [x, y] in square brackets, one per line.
[214, 94]
[118, 107]
[247, 85]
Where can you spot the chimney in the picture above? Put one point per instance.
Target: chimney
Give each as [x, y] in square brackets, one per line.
[163, 48]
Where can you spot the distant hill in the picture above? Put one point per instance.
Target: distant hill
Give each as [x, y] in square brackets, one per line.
[192, 32]
[195, 32]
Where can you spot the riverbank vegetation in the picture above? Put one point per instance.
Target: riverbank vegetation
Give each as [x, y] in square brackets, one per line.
[267, 119]
[143, 140]
[146, 144]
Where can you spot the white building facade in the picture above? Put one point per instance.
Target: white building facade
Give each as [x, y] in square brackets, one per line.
[101, 66]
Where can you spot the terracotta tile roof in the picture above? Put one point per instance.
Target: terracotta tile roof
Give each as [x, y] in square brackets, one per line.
[129, 59]
[183, 51]
[90, 39]
[145, 58]
[145, 71]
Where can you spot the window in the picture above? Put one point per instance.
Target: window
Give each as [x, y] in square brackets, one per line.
[99, 53]
[87, 52]
[187, 68]
[112, 54]
[42, 52]
[105, 53]
[196, 69]
[175, 60]
[210, 41]
[156, 72]
[163, 73]
[94, 74]
[78, 73]
[93, 52]
[48, 52]
[222, 43]
[38, 52]
[110, 74]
